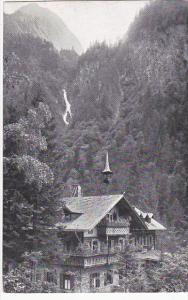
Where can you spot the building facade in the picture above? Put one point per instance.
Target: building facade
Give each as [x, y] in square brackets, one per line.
[94, 232]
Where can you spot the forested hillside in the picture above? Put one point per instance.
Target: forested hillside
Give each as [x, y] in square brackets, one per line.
[135, 97]
[131, 99]
[151, 132]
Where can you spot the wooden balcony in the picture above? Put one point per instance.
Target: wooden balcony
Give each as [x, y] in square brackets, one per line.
[105, 256]
[114, 228]
[100, 260]
[86, 252]
[88, 257]
[86, 262]
[72, 260]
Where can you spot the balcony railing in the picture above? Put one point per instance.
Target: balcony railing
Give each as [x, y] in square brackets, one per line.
[121, 226]
[88, 258]
[120, 222]
[102, 250]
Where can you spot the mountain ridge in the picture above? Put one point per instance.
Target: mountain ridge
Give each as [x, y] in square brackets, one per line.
[41, 22]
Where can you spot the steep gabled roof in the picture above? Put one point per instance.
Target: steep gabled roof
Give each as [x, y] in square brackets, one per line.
[153, 224]
[94, 208]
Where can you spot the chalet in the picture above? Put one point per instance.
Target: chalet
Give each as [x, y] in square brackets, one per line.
[94, 231]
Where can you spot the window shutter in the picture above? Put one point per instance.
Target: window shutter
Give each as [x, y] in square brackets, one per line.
[97, 282]
[105, 278]
[61, 281]
[71, 282]
[91, 281]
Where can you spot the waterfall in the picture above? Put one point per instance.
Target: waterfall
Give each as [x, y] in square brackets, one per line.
[68, 108]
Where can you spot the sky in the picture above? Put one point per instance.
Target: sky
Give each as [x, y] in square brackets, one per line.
[91, 21]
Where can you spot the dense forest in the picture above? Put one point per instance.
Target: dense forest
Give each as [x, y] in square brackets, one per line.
[130, 99]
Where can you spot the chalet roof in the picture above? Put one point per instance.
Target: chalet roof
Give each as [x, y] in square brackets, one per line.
[92, 209]
[153, 224]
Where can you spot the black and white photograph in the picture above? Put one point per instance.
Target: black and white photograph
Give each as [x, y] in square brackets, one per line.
[95, 147]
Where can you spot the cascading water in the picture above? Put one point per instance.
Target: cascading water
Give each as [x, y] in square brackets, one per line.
[68, 108]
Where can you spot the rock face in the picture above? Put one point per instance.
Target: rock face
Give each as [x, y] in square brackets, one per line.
[41, 22]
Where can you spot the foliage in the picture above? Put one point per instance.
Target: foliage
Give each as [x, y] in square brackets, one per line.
[24, 177]
[133, 275]
[171, 274]
[19, 279]
[168, 275]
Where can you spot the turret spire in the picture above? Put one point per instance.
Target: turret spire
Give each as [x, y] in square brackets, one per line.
[107, 172]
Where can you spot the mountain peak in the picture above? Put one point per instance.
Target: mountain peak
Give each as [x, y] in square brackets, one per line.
[44, 23]
[34, 9]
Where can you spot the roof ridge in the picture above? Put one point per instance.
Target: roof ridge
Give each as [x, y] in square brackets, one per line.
[78, 197]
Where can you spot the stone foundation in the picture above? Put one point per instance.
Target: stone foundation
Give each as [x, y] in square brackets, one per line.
[81, 279]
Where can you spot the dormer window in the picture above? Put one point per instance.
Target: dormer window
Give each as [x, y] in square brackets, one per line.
[67, 216]
[148, 219]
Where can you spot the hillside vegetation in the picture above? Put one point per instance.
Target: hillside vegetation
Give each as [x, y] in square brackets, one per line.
[131, 99]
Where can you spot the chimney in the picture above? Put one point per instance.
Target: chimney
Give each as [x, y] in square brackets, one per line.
[79, 191]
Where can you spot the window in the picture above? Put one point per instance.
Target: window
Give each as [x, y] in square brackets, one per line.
[89, 261]
[67, 284]
[50, 277]
[120, 277]
[90, 231]
[109, 217]
[67, 216]
[65, 281]
[121, 244]
[108, 277]
[95, 280]
[38, 276]
[68, 245]
[111, 244]
[95, 245]
[115, 216]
